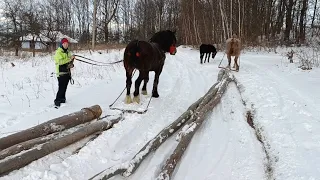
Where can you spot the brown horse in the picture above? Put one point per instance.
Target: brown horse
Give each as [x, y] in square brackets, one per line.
[233, 49]
[147, 56]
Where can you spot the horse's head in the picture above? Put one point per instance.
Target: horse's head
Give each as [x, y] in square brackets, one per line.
[166, 40]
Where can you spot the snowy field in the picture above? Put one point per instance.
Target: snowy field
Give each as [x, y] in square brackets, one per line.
[284, 99]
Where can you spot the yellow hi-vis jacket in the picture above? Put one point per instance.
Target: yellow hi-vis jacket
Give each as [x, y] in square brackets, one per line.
[62, 60]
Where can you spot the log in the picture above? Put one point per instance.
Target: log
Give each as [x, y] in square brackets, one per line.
[44, 149]
[15, 149]
[129, 167]
[190, 129]
[25, 145]
[54, 125]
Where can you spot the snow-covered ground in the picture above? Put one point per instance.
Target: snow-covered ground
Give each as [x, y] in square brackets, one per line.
[284, 99]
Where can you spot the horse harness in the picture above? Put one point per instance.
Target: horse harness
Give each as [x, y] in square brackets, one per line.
[161, 52]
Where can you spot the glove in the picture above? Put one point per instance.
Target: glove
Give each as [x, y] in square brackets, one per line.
[70, 65]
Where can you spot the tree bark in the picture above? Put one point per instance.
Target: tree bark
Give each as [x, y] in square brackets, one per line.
[302, 30]
[54, 145]
[15, 149]
[54, 125]
[94, 26]
[289, 8]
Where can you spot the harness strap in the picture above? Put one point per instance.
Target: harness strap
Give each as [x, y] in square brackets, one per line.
[100, 63]
[106, 64]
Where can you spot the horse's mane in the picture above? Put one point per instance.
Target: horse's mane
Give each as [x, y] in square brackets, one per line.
[164, 39]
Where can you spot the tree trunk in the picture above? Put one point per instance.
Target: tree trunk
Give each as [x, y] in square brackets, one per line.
[302, 31]
[94, 24]
[54, 125]
[313, 17]
[54, 145]
[222, 21]
[15, 149]
[288, 21]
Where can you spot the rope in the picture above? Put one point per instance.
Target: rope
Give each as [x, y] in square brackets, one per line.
[71, 81]
[105, 64]
[122, 91]
[222, 59]
[101, 63]
[149, 102]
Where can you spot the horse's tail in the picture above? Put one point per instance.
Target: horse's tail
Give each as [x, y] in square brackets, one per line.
[134, 53]
[232, 42]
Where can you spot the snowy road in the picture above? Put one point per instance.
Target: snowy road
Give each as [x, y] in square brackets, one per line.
[285, 101]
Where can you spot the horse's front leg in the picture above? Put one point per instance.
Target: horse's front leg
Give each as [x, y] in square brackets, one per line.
[205, 59]
[146, 80]
[209, 57]
[214, 54]
[155, 83]
[128, 99]
[136, 97]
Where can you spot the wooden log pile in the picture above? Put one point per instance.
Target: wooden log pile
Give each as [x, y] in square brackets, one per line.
[19, 149]
[190, 120]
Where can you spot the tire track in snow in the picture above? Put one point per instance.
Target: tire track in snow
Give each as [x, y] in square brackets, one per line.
[271, 116]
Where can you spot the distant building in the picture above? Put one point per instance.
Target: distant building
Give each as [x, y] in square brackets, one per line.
[47, 40]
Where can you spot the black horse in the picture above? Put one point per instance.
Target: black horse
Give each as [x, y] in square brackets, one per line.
[147, 56]
[207, 49]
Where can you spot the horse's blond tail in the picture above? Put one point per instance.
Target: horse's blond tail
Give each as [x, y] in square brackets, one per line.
[231, 46]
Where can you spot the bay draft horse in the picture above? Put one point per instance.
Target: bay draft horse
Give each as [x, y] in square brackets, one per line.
[233, 48]
[147, 56]
[207, 49]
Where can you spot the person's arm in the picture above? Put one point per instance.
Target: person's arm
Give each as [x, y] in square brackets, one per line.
[58, 60]
[71, 57]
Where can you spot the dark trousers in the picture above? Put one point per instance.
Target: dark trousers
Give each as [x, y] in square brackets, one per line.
[63, 84]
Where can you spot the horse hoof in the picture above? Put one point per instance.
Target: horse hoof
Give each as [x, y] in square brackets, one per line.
[136, 99]
[128, 99]
[155, 95]
[144, 92]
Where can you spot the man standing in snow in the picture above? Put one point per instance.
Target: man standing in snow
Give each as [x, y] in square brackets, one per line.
[64, 62]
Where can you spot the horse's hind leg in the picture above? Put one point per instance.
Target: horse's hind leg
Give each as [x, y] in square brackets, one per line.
[128, 99]
[209, 57]
[201, 57]
[229, 60]
[146, 80]
[137, 84]
[236, 63]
